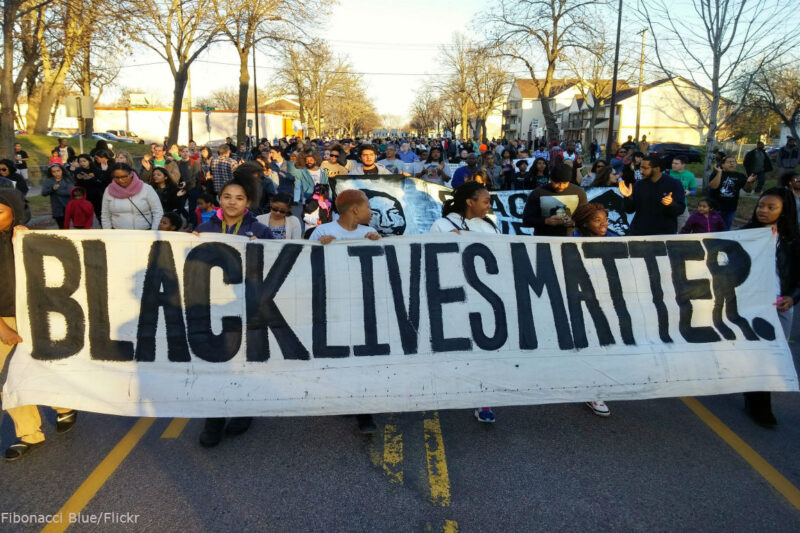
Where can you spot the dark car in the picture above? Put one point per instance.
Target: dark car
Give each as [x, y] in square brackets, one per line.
[667, 151]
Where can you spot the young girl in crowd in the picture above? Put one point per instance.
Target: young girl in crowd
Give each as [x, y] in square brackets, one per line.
[467, 210]
[776, 209]
[86, 176]
[280, 219]
[57, 185]
[80, 211]
[233, 218]
[27, 421]
[55, 158]
[205, 209]
[540, 173]
[705, 219]
[318, 209]
[591, 220]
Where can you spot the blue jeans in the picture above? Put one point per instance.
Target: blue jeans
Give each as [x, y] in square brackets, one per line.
[728, 217]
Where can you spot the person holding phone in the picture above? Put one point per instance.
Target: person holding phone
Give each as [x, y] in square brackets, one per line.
[725, 184]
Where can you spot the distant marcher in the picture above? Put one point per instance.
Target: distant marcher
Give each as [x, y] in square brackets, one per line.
[705, 219]
[57, 185]
[789, 155]
[21, 161]
[725, 184]
[757, 162]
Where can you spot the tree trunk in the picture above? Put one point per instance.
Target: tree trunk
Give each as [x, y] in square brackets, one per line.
[464, 122]
[49, 94]
[7, 94]
[711, 139]
[244, 89]
[550, 119]
[32, 113]
[181, 78]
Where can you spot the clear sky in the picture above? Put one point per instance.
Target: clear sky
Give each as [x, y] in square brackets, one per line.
[379, 36]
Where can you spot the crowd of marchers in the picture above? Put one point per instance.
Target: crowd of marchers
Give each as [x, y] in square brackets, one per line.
[281, 190]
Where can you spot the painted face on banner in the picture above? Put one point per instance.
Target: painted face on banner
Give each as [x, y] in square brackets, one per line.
[388, 217]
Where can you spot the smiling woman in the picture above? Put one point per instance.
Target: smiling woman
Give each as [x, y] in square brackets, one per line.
[129, 203]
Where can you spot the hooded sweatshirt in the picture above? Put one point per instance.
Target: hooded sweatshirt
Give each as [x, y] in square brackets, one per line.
[79, 211]
[14, 200]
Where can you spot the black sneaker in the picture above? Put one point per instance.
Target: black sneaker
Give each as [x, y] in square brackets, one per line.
[65, 421]
[19, 449]
[212, 432]
[238, 425]
[366, 424]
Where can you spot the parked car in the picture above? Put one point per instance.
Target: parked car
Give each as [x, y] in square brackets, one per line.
[123, 134]
[94, 136]
[667, 151]
[111, 137]
[59, 134]
[20, 132]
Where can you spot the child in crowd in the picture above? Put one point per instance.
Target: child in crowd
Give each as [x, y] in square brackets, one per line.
[55, 158]
[705, 219]
[80, 211]
[353, 223]
[280, 219]
[27, 421]
[205, 209]
[171, 221]
[318, 209]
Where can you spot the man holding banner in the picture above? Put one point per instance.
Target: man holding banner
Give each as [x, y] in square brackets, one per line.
[549, 208]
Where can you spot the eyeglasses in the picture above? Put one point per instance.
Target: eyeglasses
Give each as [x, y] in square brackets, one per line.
[334, 155]
[276, 210]
[3, 169]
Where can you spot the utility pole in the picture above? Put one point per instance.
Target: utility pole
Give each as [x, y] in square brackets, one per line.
[255, 94]
[189, 99]
[613, 103]
[641, 80]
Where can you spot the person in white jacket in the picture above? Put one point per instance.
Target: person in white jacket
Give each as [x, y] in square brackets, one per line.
[130, 203]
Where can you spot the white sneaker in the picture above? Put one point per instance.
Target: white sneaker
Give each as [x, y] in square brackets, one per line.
[599, 408]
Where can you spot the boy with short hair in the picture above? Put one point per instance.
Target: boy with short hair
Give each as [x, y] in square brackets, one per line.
[205, 209]
[354, 215]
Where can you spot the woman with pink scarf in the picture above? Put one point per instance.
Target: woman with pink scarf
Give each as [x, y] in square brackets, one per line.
[130, 203]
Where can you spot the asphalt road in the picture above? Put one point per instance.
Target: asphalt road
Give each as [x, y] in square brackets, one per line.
[652, 466]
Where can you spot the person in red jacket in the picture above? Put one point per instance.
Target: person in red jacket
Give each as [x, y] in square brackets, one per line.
[80, 211]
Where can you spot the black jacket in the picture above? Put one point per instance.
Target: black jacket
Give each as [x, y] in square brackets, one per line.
[749, 161]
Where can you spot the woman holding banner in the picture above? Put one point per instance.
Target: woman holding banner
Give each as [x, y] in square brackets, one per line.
[466, 211]
[591, 220]
[776, 209]
[233, 218]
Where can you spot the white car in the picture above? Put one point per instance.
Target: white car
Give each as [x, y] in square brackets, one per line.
[59, 134]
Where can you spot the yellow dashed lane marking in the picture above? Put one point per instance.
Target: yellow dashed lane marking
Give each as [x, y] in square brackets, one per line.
[175, 428]
[393, 453]
[437, 462]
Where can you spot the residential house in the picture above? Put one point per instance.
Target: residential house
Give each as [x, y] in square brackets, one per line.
[523, 117]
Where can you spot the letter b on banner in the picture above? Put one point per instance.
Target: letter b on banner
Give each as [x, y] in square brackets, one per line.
[44, 300]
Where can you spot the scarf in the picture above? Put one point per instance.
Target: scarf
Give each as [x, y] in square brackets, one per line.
[126, 192]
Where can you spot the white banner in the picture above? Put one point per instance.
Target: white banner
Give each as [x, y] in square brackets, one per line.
[167, 324]
[410, 206]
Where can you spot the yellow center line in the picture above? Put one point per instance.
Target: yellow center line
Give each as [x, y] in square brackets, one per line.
[175, 428]
[393, 453]
[450, 526]
[99, 476]
[437, 462]
[767, 471]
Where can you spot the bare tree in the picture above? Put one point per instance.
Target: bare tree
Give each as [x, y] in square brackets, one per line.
[593, 67]
[11, 84]
[777, 89]
[455, 58]
[247, 23]
[313, 74]
[426, 110]
[530, 31]
[719, 54]
[178, 31]
[487, 83]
